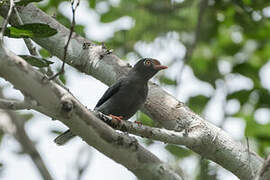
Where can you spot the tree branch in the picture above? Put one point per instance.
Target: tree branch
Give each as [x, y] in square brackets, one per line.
[265, 171]
[11, 5]
[60, 104]
[26, 143]
[10, 104]
[72, 27]
[163, 135]
[189, 139]
[215, 144]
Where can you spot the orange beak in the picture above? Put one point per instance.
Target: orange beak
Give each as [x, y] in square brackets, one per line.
[158, 66]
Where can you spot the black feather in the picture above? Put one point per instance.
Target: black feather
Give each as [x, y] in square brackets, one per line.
[126, 96]
[109, 93]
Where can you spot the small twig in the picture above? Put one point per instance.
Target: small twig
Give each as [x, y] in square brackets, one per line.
[33, 51]
[11, 5]
[14, 104]
[73, 8]
[248, 151]
[163, 135]
[265, 171]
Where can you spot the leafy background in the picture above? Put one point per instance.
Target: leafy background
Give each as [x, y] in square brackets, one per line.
[218, 54]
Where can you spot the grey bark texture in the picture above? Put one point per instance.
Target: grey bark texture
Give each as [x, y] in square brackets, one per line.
[265, 171]
[56, 102]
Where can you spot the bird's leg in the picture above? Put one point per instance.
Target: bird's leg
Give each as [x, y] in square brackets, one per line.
[138, 122]
[118, 118]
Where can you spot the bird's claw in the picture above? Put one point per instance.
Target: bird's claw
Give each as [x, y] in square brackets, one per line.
[118, 118]
[138, 122]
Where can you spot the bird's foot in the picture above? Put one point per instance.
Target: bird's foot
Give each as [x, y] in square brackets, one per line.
[138, 122]
[118, 118]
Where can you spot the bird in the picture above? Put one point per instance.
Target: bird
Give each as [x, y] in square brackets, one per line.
[125, 97]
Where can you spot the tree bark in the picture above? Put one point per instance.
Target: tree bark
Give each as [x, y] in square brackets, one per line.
[265, 171]
[56, 102]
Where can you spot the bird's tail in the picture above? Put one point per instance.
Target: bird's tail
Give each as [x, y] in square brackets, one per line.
[64, 138]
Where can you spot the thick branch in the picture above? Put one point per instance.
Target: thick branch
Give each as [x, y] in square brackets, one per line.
[189, 139]
[60, 104]
[14, 104]
[28, 146]
[215, 144]
[18, 131]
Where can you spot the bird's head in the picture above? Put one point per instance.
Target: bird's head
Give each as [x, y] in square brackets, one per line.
[146, 68]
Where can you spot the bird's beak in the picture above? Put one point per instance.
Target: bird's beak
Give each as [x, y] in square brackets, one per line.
[160, 67]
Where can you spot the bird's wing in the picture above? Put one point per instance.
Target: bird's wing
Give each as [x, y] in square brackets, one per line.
[109, 93]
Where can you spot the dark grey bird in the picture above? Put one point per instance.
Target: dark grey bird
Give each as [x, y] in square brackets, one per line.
[123, 99]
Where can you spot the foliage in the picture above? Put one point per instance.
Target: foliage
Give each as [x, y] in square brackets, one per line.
[144, 119]
[35, 61]
[177, 151]
[34, 30]
[25, 2]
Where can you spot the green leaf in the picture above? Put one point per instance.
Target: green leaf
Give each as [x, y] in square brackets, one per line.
[145, 120]
[178, 151]
[264, 98]
[168, 81]
[258, 132]
[92, 3]
[263, 137]
[35, 30]
[242, 96]
[111, 15]
[62, 78]
[57, 132]
[35, 61]
[249, 70]
[79, 29]
[197, 103]
[25, 2]
[204, 64]
[44, 53]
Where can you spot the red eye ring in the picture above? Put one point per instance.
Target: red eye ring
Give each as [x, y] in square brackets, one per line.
[147, 62]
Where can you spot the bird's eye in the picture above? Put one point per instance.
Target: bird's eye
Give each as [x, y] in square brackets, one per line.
[147, 63]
